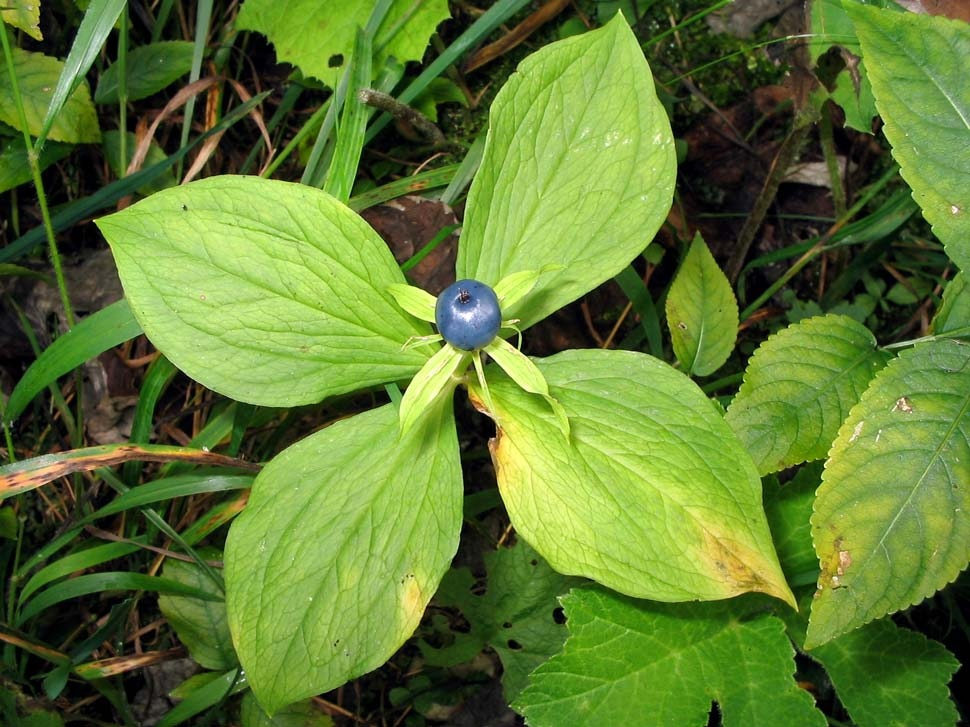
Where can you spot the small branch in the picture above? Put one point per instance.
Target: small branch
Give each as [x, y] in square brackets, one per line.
[403, 112]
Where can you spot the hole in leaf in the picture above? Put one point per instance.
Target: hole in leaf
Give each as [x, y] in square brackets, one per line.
[506, 625]
[559, 615]
[336, 60]
[514, 645]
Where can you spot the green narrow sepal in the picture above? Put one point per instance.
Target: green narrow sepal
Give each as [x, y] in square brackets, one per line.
[419, 303]
[526, 374]
[436, 379]
[513, 288]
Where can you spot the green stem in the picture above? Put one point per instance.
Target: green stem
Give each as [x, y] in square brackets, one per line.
[33, 159]
[822, 244]
[123, 91]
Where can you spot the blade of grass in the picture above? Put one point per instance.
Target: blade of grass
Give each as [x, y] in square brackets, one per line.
[203, 17]
[478, 31]
[466, 171]
[74, 562]
[642, 303]
[157, 378]
[32, 473]
[111, 193]
[94, 335]
[99, 19]
[430, 179]
[350, 140]
[89, 583]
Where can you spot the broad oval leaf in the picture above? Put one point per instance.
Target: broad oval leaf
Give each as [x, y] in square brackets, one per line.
[798, 388]
[149, 69]
[652, 495]
[578, 171]
[37, 76]
[916, 67]
[343, 543]
[890, 525]
[629, 662]
[268, 292]
[702, 313]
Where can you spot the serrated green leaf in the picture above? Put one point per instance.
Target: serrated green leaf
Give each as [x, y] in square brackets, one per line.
[702, 313]
[652, 495]
[343, 543]
[23, 15]
[317, 36]
[629, 662]
[268, 292]
[578, 171]
[830, 27]
[798, 388]
[37, 77]
[431, 385]
[515, 615]
[301, 714]
[954, 312]
[148, 69]
[200, 625]
[890, 524]
[887, 675]
[916, 66]
[15, 166]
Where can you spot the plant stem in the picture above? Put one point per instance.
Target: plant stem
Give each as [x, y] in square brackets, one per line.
[33, 159]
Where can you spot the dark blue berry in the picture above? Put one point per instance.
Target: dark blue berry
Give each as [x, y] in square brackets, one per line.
[467, 315]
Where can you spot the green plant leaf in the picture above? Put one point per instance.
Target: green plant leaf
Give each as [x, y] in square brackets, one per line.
[200, 625]
[640, 663]
[890, 524]
[23, 15]
[100, 17]
[578, 171]
[652, 495]
[37, 76]
[434, 383]
[111, 144]
[343, 543]
[702, 313]
[515, 615]
[419, 303]
[94, 335]
[519, 367]
[954, 312]
[14, 165]
[887, 675]
[149, 69]
[830, 27]
[98, 582]
[268, 292]
[317, 36]
[300, 714]
[798, 388]
[916, 66]
[788, 508]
